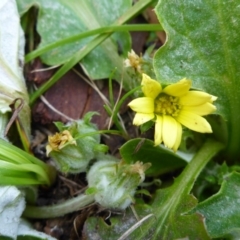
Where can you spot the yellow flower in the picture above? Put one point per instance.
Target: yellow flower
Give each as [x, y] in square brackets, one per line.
[58, 141]
[134, 61]
[171, 107]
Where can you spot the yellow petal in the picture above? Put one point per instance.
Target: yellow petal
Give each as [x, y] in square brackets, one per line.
[127, 63]
[178, 89]
[201, 110]
[194, 122]
[142, 105]
[158, 130]
[48, 150]
[150, 87]
[141, 118]
[169, 129]
[195, 98]
[179, 137]
[214, 98]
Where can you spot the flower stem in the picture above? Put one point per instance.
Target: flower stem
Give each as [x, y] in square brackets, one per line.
[110, 29]
[209, 149]
[60, 209]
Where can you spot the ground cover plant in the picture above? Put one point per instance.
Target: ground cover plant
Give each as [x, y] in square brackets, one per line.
[119, 119]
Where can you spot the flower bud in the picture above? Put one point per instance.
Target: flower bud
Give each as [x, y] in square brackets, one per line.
[114, 183]
[134, 61]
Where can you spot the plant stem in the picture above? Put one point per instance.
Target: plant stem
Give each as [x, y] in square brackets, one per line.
[60, 209]
[116, 110]
[188, 177]
[110, 29]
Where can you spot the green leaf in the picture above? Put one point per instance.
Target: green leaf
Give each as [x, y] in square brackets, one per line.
[19, 167]
[30, 193]
[210, 180]
[26, 232]
[171, 220]
[12, 205]
[60, 19]
[12, 83]
[171, 205]
[60, 126]
[143, 150]
[146, 126]
[91, 190]
[221, 211]
[204, 45]
[117, 226]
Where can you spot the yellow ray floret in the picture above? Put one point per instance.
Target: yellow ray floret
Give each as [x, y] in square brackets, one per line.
[170, 108]
[59, 140]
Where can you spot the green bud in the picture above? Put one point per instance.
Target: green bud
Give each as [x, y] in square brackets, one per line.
[114, 183]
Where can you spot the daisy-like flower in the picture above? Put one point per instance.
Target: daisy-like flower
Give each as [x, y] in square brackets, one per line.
[58, 141]
[170, 108]
[134, 61]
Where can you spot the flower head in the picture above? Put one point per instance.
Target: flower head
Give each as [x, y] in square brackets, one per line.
[58, 141]
[134, 61]
[171, 107]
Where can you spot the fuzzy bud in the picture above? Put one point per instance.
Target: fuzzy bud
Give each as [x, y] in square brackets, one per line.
[114, 183]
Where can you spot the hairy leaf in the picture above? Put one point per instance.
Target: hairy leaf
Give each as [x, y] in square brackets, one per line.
[12, 204]
[60, 19]
[221, 211]
[114, 227]
[204, 45]
[162, 159]
[12, 84]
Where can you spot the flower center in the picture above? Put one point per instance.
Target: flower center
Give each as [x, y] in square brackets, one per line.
[167, 105]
